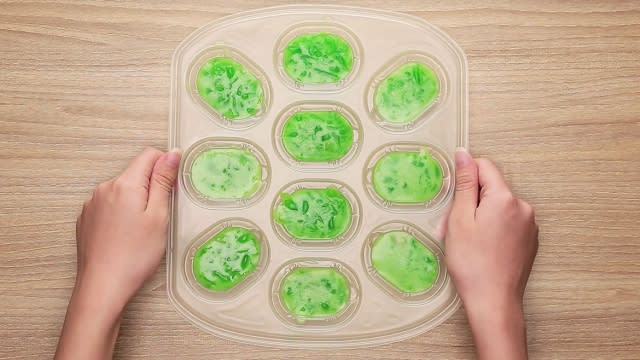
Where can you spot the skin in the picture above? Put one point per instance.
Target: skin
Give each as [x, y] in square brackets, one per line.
[121, 237]
[491, 242]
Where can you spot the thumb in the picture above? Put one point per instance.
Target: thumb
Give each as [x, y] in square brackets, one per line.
[466, 194]
[163, 176]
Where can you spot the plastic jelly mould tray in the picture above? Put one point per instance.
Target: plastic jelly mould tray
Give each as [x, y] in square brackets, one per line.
[381, 41]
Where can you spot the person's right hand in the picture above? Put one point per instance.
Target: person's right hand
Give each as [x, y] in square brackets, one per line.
[491, 242]
[121, 238]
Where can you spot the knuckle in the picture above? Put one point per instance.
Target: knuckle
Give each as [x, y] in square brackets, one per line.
[527, 210]
[509, 200]
[508, 203]
[101, 188]
[464, 181]
[119, 182]
[165, 180]
[122, 183]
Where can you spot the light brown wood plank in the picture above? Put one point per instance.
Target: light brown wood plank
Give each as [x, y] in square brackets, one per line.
[555, 101]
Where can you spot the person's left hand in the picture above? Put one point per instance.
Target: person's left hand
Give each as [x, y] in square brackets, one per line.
[122, 231]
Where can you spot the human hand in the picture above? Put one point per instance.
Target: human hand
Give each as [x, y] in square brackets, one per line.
[121, 236]
[122, 231]
[491, 242]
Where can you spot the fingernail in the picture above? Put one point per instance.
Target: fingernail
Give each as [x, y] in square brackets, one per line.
[173, 158]
[463, 157]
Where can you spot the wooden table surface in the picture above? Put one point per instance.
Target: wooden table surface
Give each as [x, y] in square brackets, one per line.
[554, 100]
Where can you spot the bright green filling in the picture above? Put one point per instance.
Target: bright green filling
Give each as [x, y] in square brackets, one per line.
[407, 177]
[226, 259]
[314, 214]
[317, 136]
[229, 88]
[404, 262]
[226, 173]
[315, 292]
[318, 58]
[406, 93]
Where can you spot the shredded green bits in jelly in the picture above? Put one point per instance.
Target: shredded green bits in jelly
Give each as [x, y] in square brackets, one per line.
[404, 262]
[226, 259]
[229, 88]
[226, 174]
[317, 136]
[314, 214]
[406, 93]
[315, 292]
[407, 177]
[318, 58]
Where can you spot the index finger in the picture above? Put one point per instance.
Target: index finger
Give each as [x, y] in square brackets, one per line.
[490, 178]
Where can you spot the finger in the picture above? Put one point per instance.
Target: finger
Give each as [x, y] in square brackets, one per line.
[466, 192]
[163, 177]
[490, 178]
[140, 168]
[443, 226]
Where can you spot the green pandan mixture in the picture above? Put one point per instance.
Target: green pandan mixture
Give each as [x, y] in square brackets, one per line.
[224, 174]
[229, 88]
[226, 259]
[317, 136]
[407, 177]
[315, 292]
[404, 262]
[318, 58]
[314, 214]
[406, 93]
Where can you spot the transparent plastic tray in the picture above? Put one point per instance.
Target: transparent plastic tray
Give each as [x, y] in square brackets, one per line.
[381, 42]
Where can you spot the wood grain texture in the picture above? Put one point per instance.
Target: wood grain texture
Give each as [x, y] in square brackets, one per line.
[555, 101]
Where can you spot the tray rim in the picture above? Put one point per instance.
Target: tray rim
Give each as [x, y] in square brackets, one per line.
[462, 141]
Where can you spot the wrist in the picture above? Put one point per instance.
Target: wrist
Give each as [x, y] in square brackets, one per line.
[498, 327]
[100, 295]
[92, 321]
[499, 308]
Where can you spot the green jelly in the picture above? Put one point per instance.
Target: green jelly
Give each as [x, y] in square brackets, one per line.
[229, 88]
[406, 93]
[407, 177]
[314, 214]
[317, 136]
[315, 292]
[226, 259]
[404, 262]
[318, 58]
[226, 174]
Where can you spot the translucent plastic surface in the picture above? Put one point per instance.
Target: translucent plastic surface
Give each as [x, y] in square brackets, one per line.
[256, 309]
